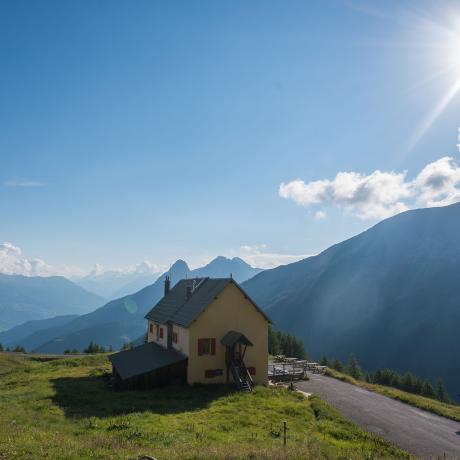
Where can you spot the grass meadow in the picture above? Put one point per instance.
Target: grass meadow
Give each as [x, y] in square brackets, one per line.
[65, 409]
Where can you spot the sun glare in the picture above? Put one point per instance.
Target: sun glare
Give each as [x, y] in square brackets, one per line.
[454, 52]
[440, 41]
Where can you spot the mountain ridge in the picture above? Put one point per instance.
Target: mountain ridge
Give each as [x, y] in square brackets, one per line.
[391, 288]
[125, 315]
[26, 298]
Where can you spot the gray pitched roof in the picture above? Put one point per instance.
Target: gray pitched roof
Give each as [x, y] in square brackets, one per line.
[144, 358]
[180, 308]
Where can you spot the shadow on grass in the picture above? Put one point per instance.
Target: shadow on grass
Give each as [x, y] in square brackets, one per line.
[91, 396]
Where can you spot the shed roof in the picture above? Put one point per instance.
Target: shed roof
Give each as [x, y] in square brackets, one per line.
[188, 299]
[232, 337]
[144, 358]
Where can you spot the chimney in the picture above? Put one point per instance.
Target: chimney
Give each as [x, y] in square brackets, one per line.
[167, 285]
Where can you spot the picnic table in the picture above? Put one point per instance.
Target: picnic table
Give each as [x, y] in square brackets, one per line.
[320, 369]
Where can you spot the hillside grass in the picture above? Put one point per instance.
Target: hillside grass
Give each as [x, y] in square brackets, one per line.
[431, 405]
[65, 409]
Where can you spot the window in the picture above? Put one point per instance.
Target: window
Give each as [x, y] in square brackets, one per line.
[206, 347]
[161, 332]
[174, 337]
[210, 373]
[151, 328]
[158, 331]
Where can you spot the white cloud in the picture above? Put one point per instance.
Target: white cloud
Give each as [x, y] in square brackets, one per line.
[19, 182]
[438, 182]
[380, 194]
[12, 262]
[320, 215]
[143, 268]
[257, 255]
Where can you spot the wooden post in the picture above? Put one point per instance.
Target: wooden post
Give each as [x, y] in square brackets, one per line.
[284, 430]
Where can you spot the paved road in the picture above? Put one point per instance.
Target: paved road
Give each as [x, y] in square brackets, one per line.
[423, 434]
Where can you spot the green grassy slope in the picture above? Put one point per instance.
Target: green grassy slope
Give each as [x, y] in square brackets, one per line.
[431, 405]
[64, 409]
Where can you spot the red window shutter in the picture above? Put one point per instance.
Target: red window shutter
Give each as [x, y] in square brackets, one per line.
[151, 328]
[200, 348]
[161, 332]
[213, 346]
[252, 370]
[209, 374]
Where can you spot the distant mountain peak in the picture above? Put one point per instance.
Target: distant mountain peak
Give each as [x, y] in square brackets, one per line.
[180, 264]
[239, 260]
[227, 260]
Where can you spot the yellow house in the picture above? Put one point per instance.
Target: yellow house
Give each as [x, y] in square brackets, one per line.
[203, 330]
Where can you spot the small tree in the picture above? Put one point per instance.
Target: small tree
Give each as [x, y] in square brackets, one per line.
[353, 367]
[93, 348]
[127, 346]
[324, 361]
[428, 390]
[19, 349]
[418, 385]
[395, 380]
[67, 352]
[408, 382]
[1, 347]
[441, 392]
[337, 365]
[273, 342]
[298, 348]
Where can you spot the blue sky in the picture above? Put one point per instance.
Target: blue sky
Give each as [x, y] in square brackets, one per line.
[149, 130]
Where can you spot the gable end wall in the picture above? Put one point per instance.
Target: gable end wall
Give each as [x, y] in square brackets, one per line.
[231, 310]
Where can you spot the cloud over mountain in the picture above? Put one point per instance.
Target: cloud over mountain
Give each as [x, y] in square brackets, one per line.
[258, 255]
[13, 263]
[380, 194]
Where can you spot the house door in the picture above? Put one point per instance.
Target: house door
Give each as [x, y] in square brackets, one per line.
[237, 353]
[170, 334]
